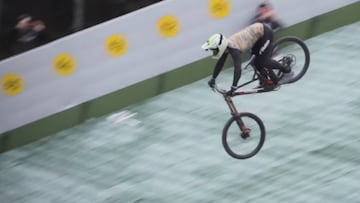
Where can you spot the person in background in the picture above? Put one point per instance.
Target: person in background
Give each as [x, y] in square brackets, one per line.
[28, 33]
[265, 13]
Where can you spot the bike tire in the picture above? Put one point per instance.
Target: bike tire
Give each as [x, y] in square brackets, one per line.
[227, 146]
[291, 40]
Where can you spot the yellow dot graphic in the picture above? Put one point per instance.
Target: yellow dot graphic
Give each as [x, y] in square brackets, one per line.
[168, 26]
[219, 8]
[64, 64]
[12, 84]
[116, 45]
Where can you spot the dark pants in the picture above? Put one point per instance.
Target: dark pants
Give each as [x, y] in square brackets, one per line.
[262, 51]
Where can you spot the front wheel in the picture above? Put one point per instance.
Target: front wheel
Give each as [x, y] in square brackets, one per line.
[243, 135]
[295, 50]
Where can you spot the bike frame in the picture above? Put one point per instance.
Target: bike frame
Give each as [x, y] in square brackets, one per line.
[255, 77]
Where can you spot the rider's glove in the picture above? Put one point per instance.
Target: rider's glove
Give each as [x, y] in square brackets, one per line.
[212, 82]
[231, 91]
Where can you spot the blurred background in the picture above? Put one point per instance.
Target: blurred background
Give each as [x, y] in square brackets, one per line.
[123, 113]
[61, 18]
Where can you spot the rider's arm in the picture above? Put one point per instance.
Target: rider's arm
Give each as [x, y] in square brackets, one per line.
[236, 56]
[219, 65]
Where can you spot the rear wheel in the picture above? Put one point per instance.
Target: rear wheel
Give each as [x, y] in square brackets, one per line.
[243, 135]
[294, 50]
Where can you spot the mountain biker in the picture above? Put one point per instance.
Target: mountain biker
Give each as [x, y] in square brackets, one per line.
[258, 37]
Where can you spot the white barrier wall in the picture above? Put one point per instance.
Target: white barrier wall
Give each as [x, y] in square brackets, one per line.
[124, 51]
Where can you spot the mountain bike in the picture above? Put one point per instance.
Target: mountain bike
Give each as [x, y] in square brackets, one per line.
[244, 133]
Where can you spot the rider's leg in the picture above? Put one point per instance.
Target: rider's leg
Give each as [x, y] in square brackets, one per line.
[263, 47]
[262, 51]
[267, 62]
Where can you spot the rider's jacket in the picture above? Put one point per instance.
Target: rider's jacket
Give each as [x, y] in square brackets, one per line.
[247, 37]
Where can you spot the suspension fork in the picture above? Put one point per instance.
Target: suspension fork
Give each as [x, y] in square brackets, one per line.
[235, 113]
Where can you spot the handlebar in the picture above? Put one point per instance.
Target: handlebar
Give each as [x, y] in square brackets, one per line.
[218, 90]
[223, 92]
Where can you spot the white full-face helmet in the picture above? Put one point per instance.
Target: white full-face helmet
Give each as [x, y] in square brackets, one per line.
[217, 43]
